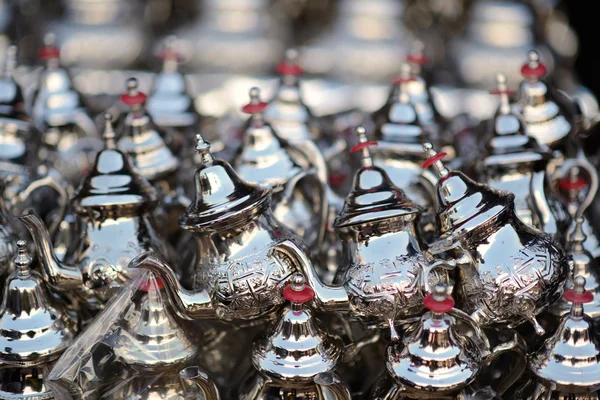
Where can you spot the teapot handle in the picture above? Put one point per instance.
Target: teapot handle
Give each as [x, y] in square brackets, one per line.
[288, 194]
[54, 181]
[517, 345]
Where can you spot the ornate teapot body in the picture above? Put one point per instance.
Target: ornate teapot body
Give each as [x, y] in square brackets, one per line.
[287, 363]
[267, 160]
[69, 138]
[112, 206]
[515, 162]
[509, 272]
[438, 360]
[36, 329]
[383, 268]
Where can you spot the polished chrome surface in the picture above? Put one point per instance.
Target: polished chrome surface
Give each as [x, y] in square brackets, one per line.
[25, 384]
[567, 364]
[112, 207]
[515, 162]
[509, 272]
[7, 236]
[200, 379]
[35, 327]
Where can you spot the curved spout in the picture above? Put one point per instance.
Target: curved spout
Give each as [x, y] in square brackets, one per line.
[330, 387]
[187, 305]
[200, 379]
[60, 276]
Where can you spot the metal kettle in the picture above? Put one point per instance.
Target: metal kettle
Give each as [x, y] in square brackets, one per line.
[112, 207]
[36, 329]
[439, 359]
[299, 193]
[384, 270]
[295, 356]
[515, 162]
[508, 271]
[69, 138]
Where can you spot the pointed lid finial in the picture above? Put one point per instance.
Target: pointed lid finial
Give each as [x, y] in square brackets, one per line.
[49, 51]
[533, 69]
[435, 159]
[23, 259]
[504, 92]
[289, 66]
[132, 96]
[363, 146]
[109, 134]
[202, 147]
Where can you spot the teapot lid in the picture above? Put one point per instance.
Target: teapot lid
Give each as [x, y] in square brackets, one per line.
[113, 183]
[221, 194]
[400, 122]
[432, 357]
[152, 337]
[509, 142]
[296, 348]
[141, 140]
[569, 358]
[34, 327]
[11, 95]
[264, 158]
[464, 205]
[170, 104]
[373, 196]
[544, 118]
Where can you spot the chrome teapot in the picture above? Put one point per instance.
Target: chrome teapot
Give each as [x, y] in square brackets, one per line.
[69, 139]
[36, 329]
[515, 162]
[295, 357]
[12, 102]
[112, 206]
[566, 366]
[383, 267]
[299, 193]
[439, 359]
[399, 136]
[508, 271]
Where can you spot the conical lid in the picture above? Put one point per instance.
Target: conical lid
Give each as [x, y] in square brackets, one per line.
[141, 140]
[398, 121]
[170, 104]
[34, 328]
[433, 357]
[545, 119]
[297, 348]
[12, 104]
[113, 183]
[584, 265]
[221, 195]
[263, 157]
[153, 338]
[56, 100]
[509, 142]
[287, 112]
[373, 196]
[463, 204]
[570, 359]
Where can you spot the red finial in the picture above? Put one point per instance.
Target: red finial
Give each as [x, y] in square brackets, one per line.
[168, 53]
[433, 159]
[567, 184]
[439, 301]
[578, 295]
[405, 75]
[255, 105]
[49, 51]
[151, 284]
[133, 96]
[533, 69]
[290, 66]
[363, 145]
[417, 55]
[298, 291]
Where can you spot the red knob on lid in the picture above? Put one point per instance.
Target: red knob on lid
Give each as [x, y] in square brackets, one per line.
[255, 105]
[578, 298]
[363, 145]
[432, 160]
[418, 59]
[433, 303]
[151, 284]
[48, 53]
[170, 54]
[285, 68]
[534, 69]
[298, 291]
[133, 96]
[567, 184]
[509, 92]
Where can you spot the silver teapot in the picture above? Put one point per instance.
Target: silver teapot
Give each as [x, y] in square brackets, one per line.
[566, 366]
[443, 354]
[112, 206]
[508, 271]
[515, 162]
[295, 356]
[383, 266]
[69, 139]
[36, 329]
[299, 193]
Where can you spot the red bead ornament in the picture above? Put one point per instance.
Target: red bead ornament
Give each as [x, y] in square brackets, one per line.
[567, 184]
[578, 298]
[434, 305]
[289, 69]
[362, 145]
[131, 100]
[418, 59]
[432, 160]
[303, 296]
[533, 73]
[48, 53]
[255, 108]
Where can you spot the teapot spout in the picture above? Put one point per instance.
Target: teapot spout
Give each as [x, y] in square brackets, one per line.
[187, 304]
[201, 380]
[60, 276]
